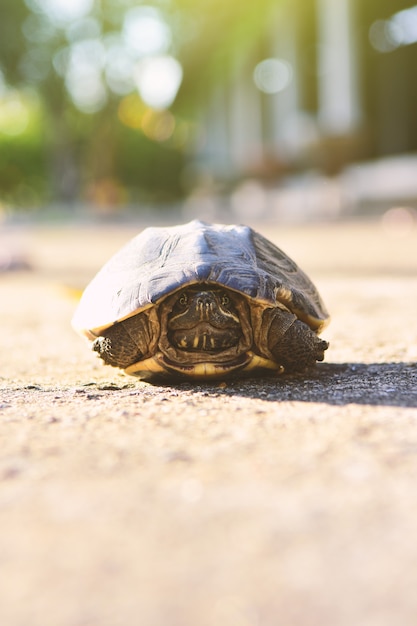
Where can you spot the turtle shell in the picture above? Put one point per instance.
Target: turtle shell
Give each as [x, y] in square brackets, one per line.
[159, 261]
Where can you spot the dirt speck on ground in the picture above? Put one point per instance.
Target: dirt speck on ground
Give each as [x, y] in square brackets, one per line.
[289, 500]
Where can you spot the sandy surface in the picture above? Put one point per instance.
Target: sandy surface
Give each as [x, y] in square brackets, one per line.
[251, 503]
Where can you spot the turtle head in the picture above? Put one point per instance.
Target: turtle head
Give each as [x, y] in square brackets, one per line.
[204, 319]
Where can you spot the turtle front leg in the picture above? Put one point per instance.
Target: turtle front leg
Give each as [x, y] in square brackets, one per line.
[124, 343]
[291, 342]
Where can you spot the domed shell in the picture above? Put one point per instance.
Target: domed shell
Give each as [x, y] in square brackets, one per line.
[159, 261]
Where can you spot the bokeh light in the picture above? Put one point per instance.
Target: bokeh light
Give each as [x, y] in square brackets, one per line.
[131, 110]
[120, 61]
[37, 30]
[158, 79]
[238, 94]
[61, 11]
[404, 27]
[14, 113]
[120, 64]
[380, 36]
[399, 30]
[83, 75]
[158, 125]
[272, 75]
[84, 28]
[146, 32]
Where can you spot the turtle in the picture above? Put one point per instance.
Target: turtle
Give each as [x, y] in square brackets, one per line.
[203, 301]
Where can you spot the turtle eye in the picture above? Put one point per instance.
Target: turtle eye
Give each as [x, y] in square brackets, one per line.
[225, 300]
[183, 300]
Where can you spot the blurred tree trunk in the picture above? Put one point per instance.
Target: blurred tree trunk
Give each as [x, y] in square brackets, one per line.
[64, 167]
[64, 159]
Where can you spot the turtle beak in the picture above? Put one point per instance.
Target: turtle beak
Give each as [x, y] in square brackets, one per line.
[203, 304]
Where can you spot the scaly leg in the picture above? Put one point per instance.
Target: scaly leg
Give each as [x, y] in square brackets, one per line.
[125, 342]
[292, 343]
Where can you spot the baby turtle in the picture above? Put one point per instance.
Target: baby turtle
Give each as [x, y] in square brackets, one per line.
[202, 301]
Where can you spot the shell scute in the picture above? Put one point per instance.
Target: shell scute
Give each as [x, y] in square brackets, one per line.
[160, 261]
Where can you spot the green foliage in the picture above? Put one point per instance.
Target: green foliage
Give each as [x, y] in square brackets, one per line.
[22, 172]
[151, 170]
[12, 40]
[23, 154]
[66, 151]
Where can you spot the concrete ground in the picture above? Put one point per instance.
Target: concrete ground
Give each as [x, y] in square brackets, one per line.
[288, 501]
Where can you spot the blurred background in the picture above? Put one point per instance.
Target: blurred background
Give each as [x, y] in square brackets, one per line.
[279, 109]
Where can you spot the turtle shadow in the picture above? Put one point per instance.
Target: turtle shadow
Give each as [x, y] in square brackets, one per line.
[377, 384]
